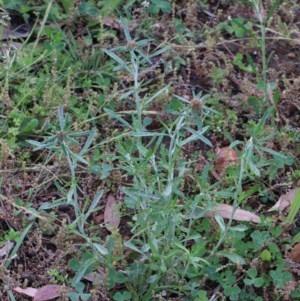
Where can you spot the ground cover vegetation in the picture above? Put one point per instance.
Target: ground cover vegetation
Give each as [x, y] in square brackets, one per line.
[149, 150]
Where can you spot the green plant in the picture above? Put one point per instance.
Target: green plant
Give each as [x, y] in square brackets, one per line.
[122, 296]
[155, 148]
[79, 294]
[233, 292]
[280, 277]
[263, 24]
[63, 141]
[12, 235]
[253, 279]
[237, 26]
[157, 173]
[157, 6]
[56, 275]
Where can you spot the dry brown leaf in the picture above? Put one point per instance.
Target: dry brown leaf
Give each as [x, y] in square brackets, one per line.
[226, 157]
[45, 293]
[29, 291]
[295, 253]
[5, 250]
[111, 213]
[48, 292]
[285, 200]
[225, 211]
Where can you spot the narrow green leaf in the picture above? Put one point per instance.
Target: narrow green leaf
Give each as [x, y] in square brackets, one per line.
[29, 125]
[18, 245]
[295, 206]
[128, 244]
[235, 258]
[88, 142]
[61, 118]
[82, 271]
[93, 204]
[262, 121]
[160, 51]
[219, 219]
[42, 145]
[251, 63]
[126, 30]
[118, 117]
[121, 63]
[253, 168]
[158, 93]
[196, 135]
[296, 238]
[272, 152]
[101, 249]
[271, 10]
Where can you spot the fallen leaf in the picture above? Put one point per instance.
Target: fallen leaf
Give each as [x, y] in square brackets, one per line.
[29, 291]
[295, 253]
[226, 157]
[5, 250]
[48, 292]
[111, 213]
[225, 211]
[285, 200]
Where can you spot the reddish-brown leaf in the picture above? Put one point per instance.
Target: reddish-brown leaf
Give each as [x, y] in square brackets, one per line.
[111, 213]
[226, 157]
[295, 253]
[48, 292]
